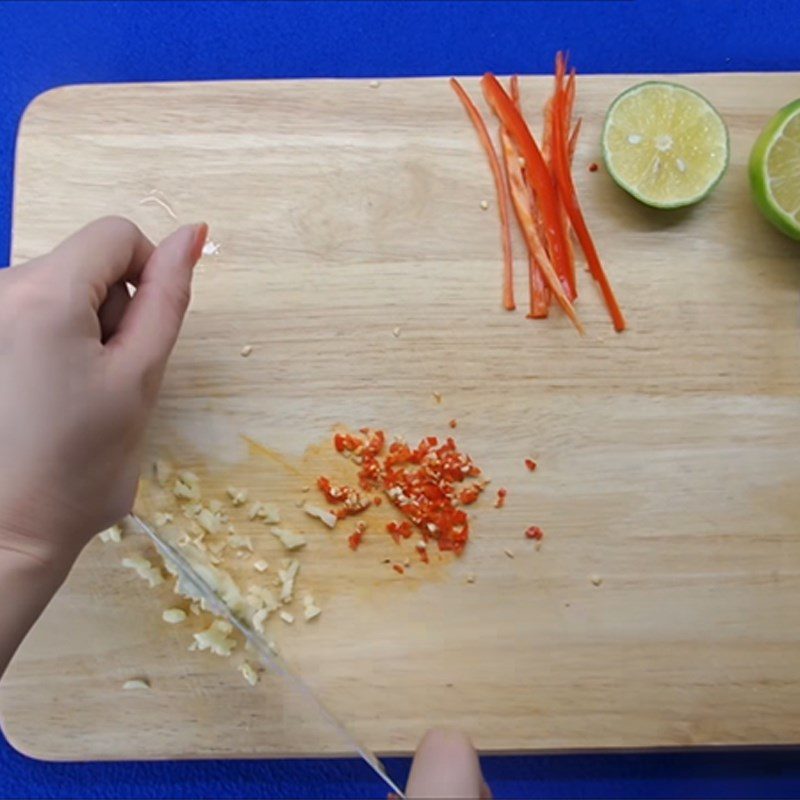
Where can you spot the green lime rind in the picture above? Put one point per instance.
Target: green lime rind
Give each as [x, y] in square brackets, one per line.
[757, 171]
[652, 203]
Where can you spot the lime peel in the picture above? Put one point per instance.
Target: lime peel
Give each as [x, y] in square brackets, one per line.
[774, 170]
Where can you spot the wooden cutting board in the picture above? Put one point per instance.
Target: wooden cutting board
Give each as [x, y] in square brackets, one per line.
[669, 456]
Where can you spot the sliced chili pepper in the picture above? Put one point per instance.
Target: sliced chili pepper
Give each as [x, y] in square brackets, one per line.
[569, 94]
[541, 182]
[566, 189]
[573, 142]
[568, 277]
[502, 200]
[538, 290]
[530, 464]
[534, 532]
[522, 201]
[515, 94]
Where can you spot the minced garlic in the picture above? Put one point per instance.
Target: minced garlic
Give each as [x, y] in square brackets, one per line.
[163, 472]
[112, 534]
[269, 512]
[208, 521]
[288, 538]
[144, 569]
[248, 673]
[187, 486]
[323, 515]
[286, 577]
[238, 496]
[173, 616]
[216, 638]
[136, 683]
[310, 609]
[240, 541]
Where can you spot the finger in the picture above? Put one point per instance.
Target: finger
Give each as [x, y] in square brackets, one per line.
[103, 253]
[446, 766]
[147, 332]
[113, 309]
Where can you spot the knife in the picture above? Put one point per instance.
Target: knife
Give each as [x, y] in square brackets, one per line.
[188, 575]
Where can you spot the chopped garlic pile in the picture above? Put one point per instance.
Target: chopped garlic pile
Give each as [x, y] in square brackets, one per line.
[207, 539]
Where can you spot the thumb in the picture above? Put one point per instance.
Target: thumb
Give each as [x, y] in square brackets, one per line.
[150, 326]
[446, 766]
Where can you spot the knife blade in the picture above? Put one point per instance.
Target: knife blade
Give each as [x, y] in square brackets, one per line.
[189, 576]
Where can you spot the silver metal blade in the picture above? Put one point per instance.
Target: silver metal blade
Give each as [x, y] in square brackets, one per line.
[270, 659]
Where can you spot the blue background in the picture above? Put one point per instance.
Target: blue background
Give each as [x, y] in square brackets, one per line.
[43, 45]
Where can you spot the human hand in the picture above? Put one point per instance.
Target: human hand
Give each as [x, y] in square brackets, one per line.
[446, 766]
[81, 362]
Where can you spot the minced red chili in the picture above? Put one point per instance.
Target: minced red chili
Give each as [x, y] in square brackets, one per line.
[534, 532]
[357, 536]
[351, 500]
[421, 482]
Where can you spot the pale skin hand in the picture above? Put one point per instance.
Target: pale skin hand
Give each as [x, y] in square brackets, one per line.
[446, 766]
[81, 363]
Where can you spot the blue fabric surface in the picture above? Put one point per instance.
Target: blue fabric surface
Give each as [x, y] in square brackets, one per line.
[49, 44]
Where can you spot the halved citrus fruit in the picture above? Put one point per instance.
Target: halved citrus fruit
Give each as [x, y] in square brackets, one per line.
[775, 170]
[665, 144]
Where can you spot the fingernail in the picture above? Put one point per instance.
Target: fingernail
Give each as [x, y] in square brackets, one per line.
[200, 236]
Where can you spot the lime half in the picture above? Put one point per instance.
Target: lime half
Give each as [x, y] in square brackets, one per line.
[775, 170]
[665, 144]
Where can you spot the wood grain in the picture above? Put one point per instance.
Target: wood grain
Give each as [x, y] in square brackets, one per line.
[669, 456]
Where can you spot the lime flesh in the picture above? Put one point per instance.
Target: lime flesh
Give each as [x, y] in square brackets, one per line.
[775, 170]
[665, 144]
